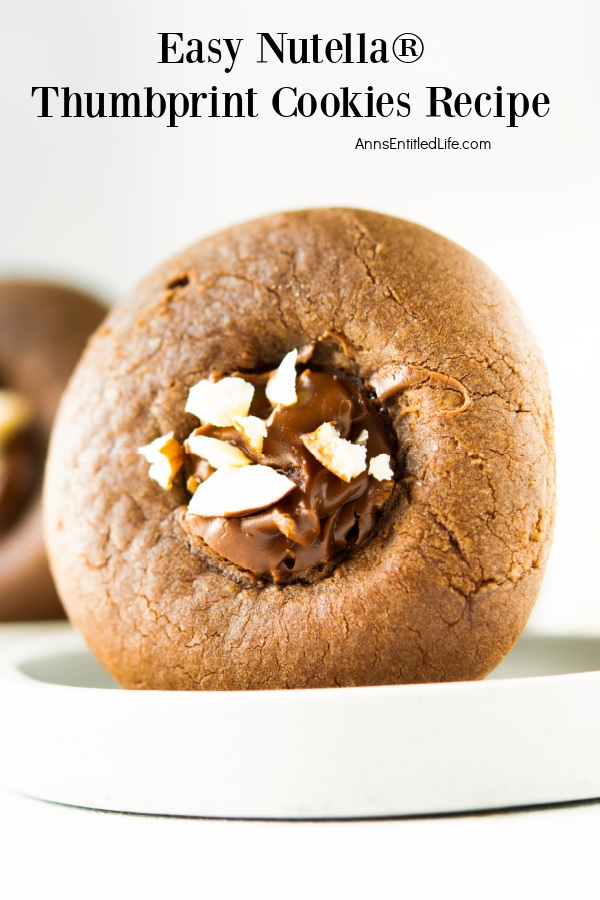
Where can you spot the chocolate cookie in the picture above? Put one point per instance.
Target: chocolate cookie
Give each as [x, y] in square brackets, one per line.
[351, 475]
[43, 328]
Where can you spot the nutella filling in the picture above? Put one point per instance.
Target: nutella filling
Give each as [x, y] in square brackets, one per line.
[20, 458]
[288, 471]
[324, 516]
[19, 477]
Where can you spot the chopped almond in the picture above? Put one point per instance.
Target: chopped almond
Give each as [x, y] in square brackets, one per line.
[217, 453]
[253, 430]
[239, 491]
[217, 402]
[165, 455]
[380, 468]
[281, 386]
[342, 457]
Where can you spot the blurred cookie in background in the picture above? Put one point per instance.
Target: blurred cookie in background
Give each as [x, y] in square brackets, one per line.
[43, 330]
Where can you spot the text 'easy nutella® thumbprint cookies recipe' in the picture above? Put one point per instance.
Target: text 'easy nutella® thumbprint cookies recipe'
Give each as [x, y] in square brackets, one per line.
[314, 450]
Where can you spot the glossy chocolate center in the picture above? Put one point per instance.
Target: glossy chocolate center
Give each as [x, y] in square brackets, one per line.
[324, 517]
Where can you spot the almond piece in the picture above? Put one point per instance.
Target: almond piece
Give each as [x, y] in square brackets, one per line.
[16, 412]
[192, 484]
[239, 491]
[363, 437]
[281, 386]
[217, 402]
[217, 453]
[165, 455]
[253, 430]
[342, 457]
[380, 468]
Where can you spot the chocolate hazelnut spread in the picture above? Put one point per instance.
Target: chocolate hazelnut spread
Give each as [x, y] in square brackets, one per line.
[20, 468]
[324, 515]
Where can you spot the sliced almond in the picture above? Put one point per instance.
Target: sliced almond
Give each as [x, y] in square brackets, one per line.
[217, 453]
[305, 353]
[217, 402]
[192, 484]
[363, 437]
[253, 430]
[380, 467]
[165, 455]
[285, 523]
[16, 412]
[281, 386]
[342, 457]
[239, 492]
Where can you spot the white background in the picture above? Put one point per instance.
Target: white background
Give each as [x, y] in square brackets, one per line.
[101, 202]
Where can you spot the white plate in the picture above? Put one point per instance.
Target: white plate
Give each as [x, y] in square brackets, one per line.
[528, 735]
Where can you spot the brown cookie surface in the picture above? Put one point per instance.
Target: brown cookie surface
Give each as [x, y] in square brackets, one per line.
[444, 584]
[43, 329]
